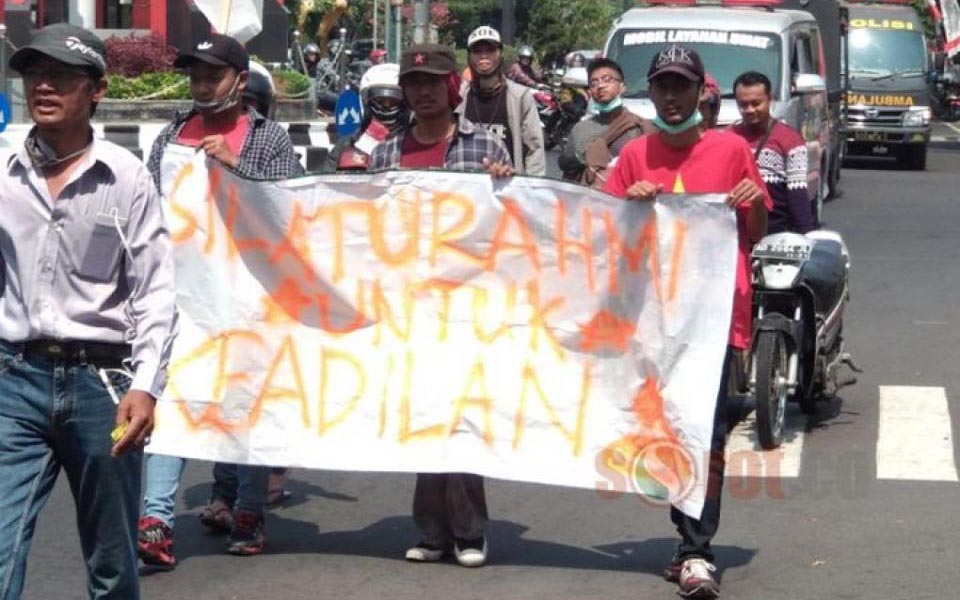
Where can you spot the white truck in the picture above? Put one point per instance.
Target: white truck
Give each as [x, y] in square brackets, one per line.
[798, 50]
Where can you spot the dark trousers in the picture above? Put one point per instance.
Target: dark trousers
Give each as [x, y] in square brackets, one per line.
[696, 534]
[448, 506]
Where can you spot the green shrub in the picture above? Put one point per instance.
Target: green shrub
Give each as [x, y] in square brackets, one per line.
[291, 83]
[174, 86]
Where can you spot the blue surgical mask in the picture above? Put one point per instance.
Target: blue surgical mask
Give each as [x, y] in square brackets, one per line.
[600, 108]
[689, 123]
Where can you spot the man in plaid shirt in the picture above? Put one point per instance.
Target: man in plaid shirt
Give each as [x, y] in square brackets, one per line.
[450, 509]
[253, 146]
[438, 137]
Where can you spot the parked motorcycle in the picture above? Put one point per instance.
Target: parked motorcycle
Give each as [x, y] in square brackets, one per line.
[801, 291]
[565, 107]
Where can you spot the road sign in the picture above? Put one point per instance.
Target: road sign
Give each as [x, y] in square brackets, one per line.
[349, 113]
[4, 112]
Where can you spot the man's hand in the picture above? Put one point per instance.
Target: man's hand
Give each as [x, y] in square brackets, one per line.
[746, 192]
[136, 413]
[498, 170]
[216, 147]
[644, 191]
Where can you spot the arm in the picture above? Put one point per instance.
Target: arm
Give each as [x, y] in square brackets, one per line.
[148, 268]
[802, 218]
[534, 155]
[755, 205]
[517, 74]
[569, 162]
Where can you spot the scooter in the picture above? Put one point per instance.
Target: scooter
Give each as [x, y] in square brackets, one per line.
[571, 100]
[801, 290]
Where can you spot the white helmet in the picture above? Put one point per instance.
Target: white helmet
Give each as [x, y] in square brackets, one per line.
[484, 33]
[386, 74]
[256, 67]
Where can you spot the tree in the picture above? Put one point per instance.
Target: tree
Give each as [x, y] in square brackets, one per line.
[559, 26]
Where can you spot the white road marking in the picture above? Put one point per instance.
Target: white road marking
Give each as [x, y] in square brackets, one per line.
[745, 457]
[915, 440]
[952, 126]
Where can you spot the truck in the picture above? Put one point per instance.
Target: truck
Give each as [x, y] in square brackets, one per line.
[797, 44]
[888, 105]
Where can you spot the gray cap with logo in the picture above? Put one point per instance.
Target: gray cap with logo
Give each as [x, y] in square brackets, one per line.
[66, 43]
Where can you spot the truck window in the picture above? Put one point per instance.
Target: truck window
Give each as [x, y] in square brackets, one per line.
[725, 54]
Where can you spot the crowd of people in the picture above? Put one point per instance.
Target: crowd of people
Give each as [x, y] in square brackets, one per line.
[87, 307]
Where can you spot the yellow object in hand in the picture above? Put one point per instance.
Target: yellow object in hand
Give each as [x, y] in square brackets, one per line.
[118, 432]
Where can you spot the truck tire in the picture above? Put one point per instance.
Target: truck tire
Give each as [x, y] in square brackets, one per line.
[914, 157]
[771, 391]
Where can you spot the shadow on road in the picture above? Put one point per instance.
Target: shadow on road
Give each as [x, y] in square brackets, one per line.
[389, 538]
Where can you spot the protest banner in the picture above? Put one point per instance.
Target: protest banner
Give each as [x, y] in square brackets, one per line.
[431, 321]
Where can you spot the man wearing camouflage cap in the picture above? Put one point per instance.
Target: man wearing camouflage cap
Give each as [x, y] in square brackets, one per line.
[87, 317]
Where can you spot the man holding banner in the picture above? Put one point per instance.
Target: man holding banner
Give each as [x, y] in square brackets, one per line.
[256, 147]
[449, 508]
[684, 159]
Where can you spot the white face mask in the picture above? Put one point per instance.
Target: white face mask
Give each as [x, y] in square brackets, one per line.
[221, 104]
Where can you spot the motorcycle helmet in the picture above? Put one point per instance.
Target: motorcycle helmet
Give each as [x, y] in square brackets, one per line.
[525, 52]
[311, 48]
[260, 90]
[484, 33]
[379, 83]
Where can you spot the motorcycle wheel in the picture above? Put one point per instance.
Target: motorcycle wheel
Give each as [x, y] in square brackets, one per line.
[771, 391]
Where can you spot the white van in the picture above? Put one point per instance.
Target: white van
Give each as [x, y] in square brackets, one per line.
[785, 45]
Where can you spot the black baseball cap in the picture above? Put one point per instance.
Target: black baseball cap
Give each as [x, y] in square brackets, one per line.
[434, 59]
[66, 43]
[218, 50]
[677, 59]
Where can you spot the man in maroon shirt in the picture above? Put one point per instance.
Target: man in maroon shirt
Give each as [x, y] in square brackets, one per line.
[781, 154]
[450, 509]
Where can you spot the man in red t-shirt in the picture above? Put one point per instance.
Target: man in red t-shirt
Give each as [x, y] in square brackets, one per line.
[683, 158]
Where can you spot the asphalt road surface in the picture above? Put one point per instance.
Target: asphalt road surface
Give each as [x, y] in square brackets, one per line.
[861, 503]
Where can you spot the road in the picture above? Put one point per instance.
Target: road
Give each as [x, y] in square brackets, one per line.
[861, 504]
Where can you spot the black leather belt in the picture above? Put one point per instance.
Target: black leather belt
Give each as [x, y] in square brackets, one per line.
[98, 353]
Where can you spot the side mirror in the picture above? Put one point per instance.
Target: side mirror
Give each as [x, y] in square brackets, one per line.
[809, 83]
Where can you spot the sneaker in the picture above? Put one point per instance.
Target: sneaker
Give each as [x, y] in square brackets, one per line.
[155, 543]
[218, 516]
[696, 579]
[426, 552]
[246, 537]
[471, 553]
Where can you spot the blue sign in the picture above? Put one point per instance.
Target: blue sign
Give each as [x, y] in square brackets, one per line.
[349, 113]
[4, 112]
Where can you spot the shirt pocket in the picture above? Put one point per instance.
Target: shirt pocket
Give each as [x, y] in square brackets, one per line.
[101, 257]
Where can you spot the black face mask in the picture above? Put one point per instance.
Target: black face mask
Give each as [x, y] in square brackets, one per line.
[42, 155]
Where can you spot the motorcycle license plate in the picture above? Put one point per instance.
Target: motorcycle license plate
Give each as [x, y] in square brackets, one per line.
[782, 251]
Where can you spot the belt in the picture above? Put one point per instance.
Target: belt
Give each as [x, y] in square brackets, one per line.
[99, 353]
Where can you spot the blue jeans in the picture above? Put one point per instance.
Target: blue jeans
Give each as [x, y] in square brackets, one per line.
[56, 414]
[240, 486]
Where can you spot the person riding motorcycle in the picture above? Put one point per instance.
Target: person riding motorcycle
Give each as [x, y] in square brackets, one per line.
[384, 113]
[522, 71]
[311, 58]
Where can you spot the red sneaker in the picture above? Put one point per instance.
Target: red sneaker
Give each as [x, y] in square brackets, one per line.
[247, 537]
[155, 543]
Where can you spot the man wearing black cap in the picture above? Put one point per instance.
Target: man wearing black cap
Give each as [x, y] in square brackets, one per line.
[253, 146]
[449, 508]
[683, 158]
[87, 317]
